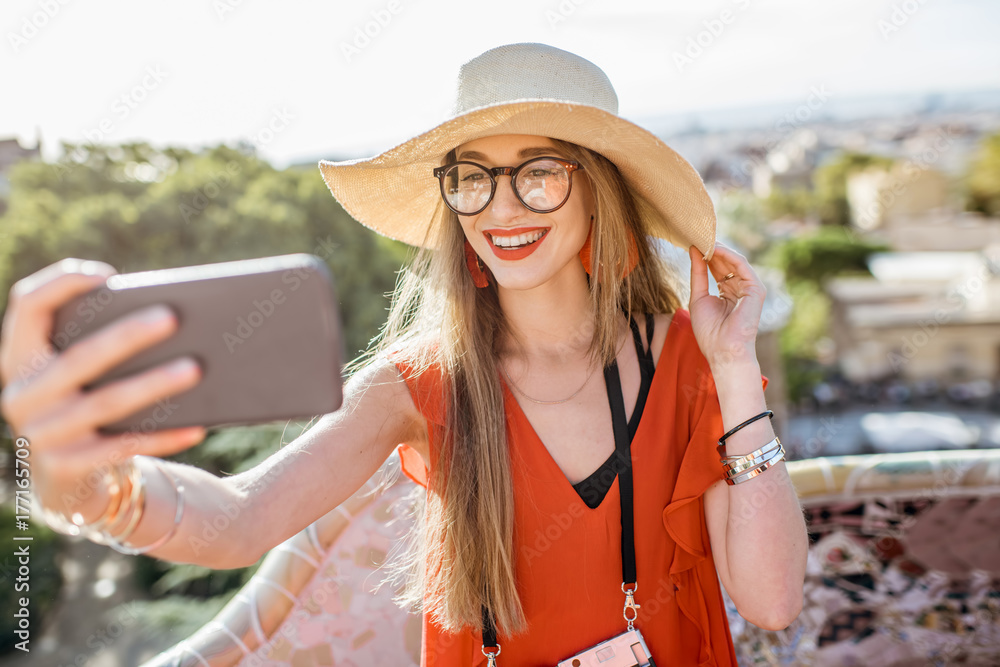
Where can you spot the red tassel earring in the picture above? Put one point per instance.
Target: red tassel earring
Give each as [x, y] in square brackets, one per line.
[586, 250]
[475, 266]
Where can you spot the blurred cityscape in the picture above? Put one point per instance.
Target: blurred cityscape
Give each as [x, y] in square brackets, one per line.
[903, 355]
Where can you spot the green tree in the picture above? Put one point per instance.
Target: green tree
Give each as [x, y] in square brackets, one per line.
[800, 203]
[138, 208]
[827, 252]
[983, 179]
[808, 323]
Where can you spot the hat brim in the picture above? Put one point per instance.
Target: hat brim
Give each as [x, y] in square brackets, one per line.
[396, 194]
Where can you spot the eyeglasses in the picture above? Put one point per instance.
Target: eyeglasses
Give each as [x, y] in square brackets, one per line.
[542, 184]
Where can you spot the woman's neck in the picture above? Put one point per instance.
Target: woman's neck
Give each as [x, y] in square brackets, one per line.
[553, 322]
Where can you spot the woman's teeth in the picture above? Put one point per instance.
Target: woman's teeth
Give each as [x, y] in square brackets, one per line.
[517, 241]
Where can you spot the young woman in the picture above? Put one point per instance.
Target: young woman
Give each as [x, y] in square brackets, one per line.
[538, 376]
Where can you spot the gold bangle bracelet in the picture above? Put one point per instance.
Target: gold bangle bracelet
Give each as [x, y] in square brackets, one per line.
[749, 462]
[736, 468]
[115, 484]
[754, 454]
[739, 479]
[127, 505]
[119, 545]
[765, 463]
[74, 525]
[137, 504]
[114, 514]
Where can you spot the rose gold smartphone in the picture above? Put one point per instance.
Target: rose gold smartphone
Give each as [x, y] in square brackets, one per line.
[626, 650]
[265, 332]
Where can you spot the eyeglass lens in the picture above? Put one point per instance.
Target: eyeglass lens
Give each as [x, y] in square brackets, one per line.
[542, 185]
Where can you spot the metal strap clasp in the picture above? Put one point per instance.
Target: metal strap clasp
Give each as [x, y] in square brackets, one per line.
[490, 656]
[631, 610]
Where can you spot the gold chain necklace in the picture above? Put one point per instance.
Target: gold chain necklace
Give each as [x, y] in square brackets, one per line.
[562, 400]
[535, 400]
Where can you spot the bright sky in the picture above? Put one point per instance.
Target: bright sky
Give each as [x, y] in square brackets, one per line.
[195, 72]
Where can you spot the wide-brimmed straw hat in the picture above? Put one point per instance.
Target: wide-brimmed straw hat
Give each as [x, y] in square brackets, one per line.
[526, 89]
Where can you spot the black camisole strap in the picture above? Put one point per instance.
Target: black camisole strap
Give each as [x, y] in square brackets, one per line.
[646, 369]
[595, 487]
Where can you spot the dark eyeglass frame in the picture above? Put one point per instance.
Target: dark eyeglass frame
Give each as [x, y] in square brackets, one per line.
[493, 172]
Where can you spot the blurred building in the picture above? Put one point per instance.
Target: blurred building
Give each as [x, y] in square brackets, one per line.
[925, 315]
[909, 208]
[932, 309]
[788, 165]
[882, 197]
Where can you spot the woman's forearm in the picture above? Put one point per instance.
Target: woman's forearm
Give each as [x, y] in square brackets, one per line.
[766, 539]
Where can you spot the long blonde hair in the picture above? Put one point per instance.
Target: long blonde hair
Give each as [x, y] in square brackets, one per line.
[461, 554]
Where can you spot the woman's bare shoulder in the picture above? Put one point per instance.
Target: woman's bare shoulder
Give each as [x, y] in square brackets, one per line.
[379, 391]
[419, 373]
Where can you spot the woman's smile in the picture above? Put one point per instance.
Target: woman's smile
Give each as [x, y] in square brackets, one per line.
[515, 243]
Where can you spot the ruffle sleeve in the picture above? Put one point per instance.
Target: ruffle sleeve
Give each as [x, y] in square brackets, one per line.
[700, 468]
[684, 516]
[412, 464]
[428, 391]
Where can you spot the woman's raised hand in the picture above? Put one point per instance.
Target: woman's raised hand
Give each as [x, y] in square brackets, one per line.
[42, 398]
[725, 326]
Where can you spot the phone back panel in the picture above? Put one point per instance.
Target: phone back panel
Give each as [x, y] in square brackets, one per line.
[265, 332]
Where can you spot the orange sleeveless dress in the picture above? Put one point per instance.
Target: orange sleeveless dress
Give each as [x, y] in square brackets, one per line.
[568, 556]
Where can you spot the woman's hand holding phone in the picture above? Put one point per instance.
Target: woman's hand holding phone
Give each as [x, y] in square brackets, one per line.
[43, 399]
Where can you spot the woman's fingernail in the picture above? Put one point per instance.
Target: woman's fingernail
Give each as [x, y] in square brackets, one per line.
[155, 314]
[195, 434]
[91, 268]
[182, 366]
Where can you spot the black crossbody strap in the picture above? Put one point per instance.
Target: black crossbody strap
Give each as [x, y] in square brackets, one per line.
[623, 447]
[489, 629]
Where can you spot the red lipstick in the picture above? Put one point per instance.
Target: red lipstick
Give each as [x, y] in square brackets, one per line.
[514, 253]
